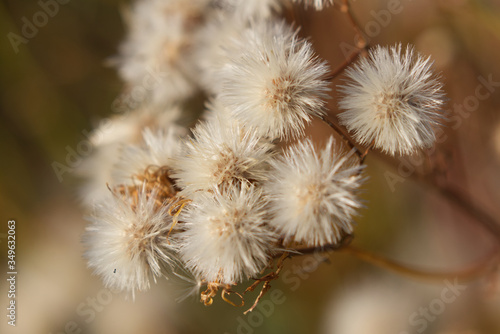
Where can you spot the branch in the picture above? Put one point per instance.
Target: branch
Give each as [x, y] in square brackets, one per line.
[344, 65]
[468, 273]
[488, 222]
[453, 196]
[344, 136]
[346, 8]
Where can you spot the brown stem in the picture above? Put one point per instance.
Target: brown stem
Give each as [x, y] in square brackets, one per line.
[365, 153]
[228, 292]
[346, 240]
[458, 199]
[344, 136]
[465, 274]
[264, 289]
[266, 279]
[344, 65]
[362, 42]
[453, 196]
[382, 262]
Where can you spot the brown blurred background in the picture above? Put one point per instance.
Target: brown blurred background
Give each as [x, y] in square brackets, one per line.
[56, 87]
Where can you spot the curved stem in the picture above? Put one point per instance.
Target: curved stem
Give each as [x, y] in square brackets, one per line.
[362, 42]
[346, 240]
[468, 273]
[344, 65]
[454, 196]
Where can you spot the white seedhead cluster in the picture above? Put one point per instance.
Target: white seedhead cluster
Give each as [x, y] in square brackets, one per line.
[219, 191]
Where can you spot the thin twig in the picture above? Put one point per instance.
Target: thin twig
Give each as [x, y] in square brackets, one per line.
[458, 199]
[362, 42]
[455, 197]
[266, 279]
[464, 274]
[228, 292]
[264, 289]
[344, 65]
[344, 136]
[346, 240]
[365, 153]
[344, 246]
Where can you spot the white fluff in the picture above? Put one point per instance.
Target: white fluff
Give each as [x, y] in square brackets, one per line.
[127, 242]
[314, 195]
[153, 56]
[108, 141]
[275, 84]
[225, 37]
[392, 99]
[221, 154]
[157, 150]
[226, 238]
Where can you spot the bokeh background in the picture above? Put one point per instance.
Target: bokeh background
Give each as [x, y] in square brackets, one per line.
[57, 87]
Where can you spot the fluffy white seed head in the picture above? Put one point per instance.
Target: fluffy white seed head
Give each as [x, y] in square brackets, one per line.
[128, 127]
[108, 142]
[314, 194]
[393, 99]
[221, 154]
[126, 242]
[226, 237]
[152, 58]
[215, 111]
[275, 85]
[211, 49]
[226, 37]
[157, 151]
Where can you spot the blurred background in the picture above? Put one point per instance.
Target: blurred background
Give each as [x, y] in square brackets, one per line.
[55, 87]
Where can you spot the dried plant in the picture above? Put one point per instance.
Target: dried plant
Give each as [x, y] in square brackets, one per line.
[228, 203]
